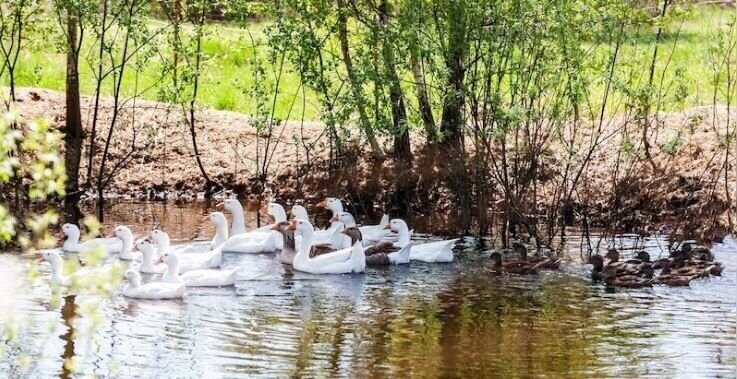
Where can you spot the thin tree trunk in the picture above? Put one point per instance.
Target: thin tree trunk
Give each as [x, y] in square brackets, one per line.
[402, 148]
[98, 86]
[73, 132]
[355, 85]
[646, 118]
[423, 100]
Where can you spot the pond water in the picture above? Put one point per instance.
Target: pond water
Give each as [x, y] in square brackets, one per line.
[417, 320]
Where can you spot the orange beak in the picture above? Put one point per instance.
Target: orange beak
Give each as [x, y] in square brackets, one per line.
[206, 218]
[388, 227]
[334, 219]
[344, 231]
[40, 259]
[292, 225]
[323, 203]
[60, 234]
[264, 210]
[220, 206]
[111, 235]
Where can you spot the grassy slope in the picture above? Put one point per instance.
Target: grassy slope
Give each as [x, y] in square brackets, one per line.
[228, 73]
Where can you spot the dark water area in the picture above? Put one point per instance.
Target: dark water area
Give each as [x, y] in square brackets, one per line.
[416, 320]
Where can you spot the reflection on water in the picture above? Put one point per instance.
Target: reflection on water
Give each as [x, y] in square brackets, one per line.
[420, 320]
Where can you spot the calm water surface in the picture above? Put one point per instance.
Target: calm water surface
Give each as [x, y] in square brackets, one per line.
[418, 320]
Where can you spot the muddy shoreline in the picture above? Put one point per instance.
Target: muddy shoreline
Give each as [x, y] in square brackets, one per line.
[158, 164]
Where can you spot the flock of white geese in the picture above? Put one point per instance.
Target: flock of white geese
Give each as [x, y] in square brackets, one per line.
[342, 248]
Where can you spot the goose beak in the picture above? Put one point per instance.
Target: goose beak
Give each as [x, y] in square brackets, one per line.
[344, 231]
[388, 227]
[276, 227]
[40, 259]
[264, 210]
[111, 235]
[292, 225]
[60, 234]
[334, 219]
[205, 218]
[220, 206]
[323, 203]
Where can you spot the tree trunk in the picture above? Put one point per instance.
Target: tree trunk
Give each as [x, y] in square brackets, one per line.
[452, 123]
[423, 100]
[402, 148]
[73, 132]
[355, 85]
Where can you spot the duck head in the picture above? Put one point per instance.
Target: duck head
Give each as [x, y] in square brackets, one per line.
[71, 231]
[643, 256]
[612, 255]
[520, 249]
[496, 259]
[597, 261]
[160, 237]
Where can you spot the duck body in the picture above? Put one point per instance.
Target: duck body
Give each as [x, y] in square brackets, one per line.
[188, 261]
[151, 291]
[517, 267]
[382, 254]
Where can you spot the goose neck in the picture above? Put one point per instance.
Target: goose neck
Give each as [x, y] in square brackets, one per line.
[172, 272]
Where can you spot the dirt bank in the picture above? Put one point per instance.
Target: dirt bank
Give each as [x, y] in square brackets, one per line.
[156, 149]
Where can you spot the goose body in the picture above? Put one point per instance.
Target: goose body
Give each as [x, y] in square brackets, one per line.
[188, 261]
[332, 263]
[195, 278]
[370, 234]
[288, 251]
[384, 253]
[124, 234]
[153, 291]
[148, 252]
[73, 245]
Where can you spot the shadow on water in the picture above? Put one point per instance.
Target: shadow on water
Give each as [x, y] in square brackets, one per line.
[68, 314]
[417, 320]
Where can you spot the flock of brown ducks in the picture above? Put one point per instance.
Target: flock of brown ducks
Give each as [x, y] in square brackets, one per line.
[679, 269]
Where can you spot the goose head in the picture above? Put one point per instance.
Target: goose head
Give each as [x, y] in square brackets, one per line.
[160, 237]
[123, 233]
[71, 231]
[275, 210]
[345, 218]
[231, 205]
[134, 278]
[53, 258]
[400, 227]
[218, 219]
[354, 233]
[281, 227]
[301, 226]
[299, 211]
[169, 259]
[145, 247]
[332, 203]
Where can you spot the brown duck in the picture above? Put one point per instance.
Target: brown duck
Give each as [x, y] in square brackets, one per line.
[518, 267]
[612, 279]
[546, 263]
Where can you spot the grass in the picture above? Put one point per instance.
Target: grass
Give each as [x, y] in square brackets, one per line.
[228, 73]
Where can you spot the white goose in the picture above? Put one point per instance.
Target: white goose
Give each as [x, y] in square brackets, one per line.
[332, 263]
[432, 252]
[148, 252]
[249, 243]
[72, 244]
[236, 209]
[57, 277]
[124, 234]
[187, 261]
[195, 278]
[153, 291]
[299, 212]
[276, 211]
[221, 229]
